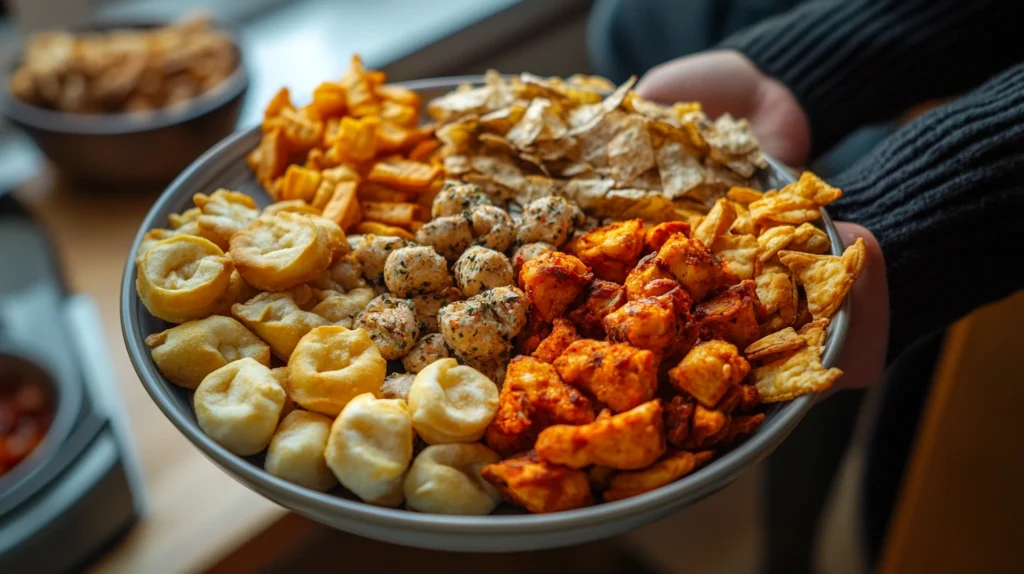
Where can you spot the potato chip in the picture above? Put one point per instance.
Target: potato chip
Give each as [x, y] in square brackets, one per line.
[630, 152]
[680, 172]
[778, 342]
[826, 278]
[526, 131]
[739, 254]
[716, 223]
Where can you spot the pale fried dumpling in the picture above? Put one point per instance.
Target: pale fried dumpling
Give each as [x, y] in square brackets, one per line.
[187, 353]
[450, 402]
[392, 325]
[296, 453]
[372, 251]
[427, 350]
[279, 318]
[370, 448]
[183, 278]
[342, 308]
[154, 235]
[224, 213]
[239, 405]
[479, 269]
[332, 364]
[415, 270]
[277, 252]
[445, 479]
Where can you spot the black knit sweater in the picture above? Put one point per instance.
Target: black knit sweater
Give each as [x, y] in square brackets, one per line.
[945, 194]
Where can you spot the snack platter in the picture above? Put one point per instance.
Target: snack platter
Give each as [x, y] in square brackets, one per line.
[508, 527]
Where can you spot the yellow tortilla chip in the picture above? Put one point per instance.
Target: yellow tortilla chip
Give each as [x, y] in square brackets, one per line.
[826, 278]
[715, 223]
[774, 239]
[778, 294]
[738, 253]
[743, 225]
[809, 239]
[779, 342]
[794, 374]
[743, 195]
[813, 189]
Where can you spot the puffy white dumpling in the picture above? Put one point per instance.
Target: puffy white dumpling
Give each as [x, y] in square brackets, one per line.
[450, 402]
[370, 448]
[331, 365]
[187, 353]
[296, 453]
[445, 479]
[239, 406]
[479, 269]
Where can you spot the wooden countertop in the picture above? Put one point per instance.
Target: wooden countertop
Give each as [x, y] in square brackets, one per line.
[196, 514]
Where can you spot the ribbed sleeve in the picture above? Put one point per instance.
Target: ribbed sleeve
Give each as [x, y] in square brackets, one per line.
[853, 62]
[945, 197]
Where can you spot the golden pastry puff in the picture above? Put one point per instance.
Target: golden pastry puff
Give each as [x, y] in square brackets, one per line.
[331, 365]
[450, 402]
[445, 479]
[370, 448]
[183, 278]
[279, 318]
[187, 353]
[239, 406]
[277, 252]
[296, 453]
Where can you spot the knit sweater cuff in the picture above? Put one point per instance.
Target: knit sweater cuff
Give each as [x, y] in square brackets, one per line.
[945, 198]
[853, 62]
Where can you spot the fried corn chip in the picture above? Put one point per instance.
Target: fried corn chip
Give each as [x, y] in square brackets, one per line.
[716, 223]
[809, 239]
[391, 213]
[739, 254]
[744, 195]
[281, 101]
[826, 278]
[299, 183]
[359, 97]
[329, 100]
[673, 466]
[403, 174]
[778, 342]
[797, 203]
[778, 293]
[796, 373]
[773, 240]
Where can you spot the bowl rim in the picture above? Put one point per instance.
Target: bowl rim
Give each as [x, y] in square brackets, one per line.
[28, 115]
[689, 488]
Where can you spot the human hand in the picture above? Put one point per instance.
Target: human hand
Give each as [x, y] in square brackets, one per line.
[726, 81]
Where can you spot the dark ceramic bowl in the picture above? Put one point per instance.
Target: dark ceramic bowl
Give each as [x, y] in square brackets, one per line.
[129, 148]
[509, 528]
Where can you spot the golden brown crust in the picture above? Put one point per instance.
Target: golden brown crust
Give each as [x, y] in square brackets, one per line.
[626, 441]
[618, 375]
[553, 281]
[539, 486]
[610, 251]
[599, 299]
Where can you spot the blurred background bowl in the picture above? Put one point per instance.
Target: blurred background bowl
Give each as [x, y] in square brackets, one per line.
[129, 148]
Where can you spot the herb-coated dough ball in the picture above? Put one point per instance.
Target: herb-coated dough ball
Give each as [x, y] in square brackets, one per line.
[450, 402]
[427, 350]
[416, 270]
[492, 227]
[187, 353]
[449, 235]
[445, 479]
[296, 453]
[427, 305]
[182, 278]
[239, 406]
[371, 252]
[370, 448]
[455, 198]
[550, 219]
[391, 323]
[332, 364]
[480, 269]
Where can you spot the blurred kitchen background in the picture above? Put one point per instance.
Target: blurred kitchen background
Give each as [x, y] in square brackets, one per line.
[950, 469]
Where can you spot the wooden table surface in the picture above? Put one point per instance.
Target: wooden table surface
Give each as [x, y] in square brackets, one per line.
[196, 514]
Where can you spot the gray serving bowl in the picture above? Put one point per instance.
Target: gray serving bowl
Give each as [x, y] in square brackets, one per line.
[129, 148]
[509, 529]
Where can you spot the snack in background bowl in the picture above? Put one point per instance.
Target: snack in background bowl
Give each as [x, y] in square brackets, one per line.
[127, 102]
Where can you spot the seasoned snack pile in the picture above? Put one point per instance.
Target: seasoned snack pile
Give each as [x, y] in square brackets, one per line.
[619, 156]
[124, 70]
[472, 354]
[355, 154]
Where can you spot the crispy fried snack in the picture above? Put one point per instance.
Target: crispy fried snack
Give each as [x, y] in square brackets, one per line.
[693, 265]
[740, 427]
[533, 398]
[678, 414]
[673, 466]
[794, 204]
[618, 375]
[661, 324]
[539, 486]
[656, 236]
[446, 479]
[342, 309]
[626, 441]
[732, 315]
[778, 342]
[563, 334]
[279, 318]
[239, 405]
[599, 298]
[183, 278]
[826, 278]
[611, 251]
[799, 372]
[331, 365]
[187, 353]
[738, 254]
[715, 223]
[224, 213]
[709, 370]
[296, 453]
[277, 252]
[450, 402]
[552, 281]
[707, 428]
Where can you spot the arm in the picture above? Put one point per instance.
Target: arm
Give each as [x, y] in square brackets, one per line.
[945, 198]
[853, 62]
